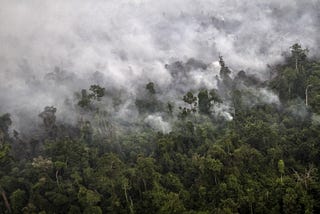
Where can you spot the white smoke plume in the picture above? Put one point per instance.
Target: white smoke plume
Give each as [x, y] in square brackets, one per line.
[129, 42]
[157, 123]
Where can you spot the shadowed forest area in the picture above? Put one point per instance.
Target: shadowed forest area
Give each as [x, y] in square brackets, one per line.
[261, 155]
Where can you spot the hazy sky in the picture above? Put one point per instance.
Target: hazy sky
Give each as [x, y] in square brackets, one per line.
[130, 41]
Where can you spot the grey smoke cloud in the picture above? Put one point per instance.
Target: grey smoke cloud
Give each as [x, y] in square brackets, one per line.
[130, 41]
[157, 123]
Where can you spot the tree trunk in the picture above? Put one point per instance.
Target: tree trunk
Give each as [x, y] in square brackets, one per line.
[57, 178]
[6, 202]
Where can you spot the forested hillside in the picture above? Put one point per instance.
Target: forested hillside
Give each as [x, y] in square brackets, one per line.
[244, 146]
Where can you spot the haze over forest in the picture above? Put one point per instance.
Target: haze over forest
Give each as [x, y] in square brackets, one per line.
[52, 49]
[141, 106]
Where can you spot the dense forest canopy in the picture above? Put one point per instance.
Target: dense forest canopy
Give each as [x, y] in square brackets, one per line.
[180, 106]
[261, 156]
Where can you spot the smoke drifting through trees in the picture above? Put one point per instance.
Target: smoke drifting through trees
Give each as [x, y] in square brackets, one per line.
[159, 107]
[51, 49]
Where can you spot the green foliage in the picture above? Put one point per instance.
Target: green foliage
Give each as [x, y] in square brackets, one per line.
[191, 100]
[206, 100]
[149, 103]
[224, 70]
[4, 153]
[18, 200]
[281, 166]
[92, 210]
[298, 55]
[5, 122]
[265, 160]
[97, 92]
[88, 197]
[86, 99]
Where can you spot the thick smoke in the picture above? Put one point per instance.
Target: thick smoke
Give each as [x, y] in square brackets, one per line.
[50, 49]
[157, 123]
